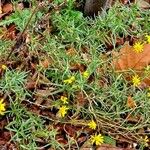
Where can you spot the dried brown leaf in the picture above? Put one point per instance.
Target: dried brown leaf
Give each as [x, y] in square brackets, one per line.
[127, 58]
[81, 99]
[143, 4]
[131, 103]
[7, 8]
[107, 147]
[110, 147]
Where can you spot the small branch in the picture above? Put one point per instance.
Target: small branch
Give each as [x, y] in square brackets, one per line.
[20, 40]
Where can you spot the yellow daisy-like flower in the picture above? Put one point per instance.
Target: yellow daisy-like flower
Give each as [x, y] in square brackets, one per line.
[64, 99]
[97, 139]
[85, 74]
[4, 67]
[62, 111]
[148, 38]
[138, 47]
[92, 125]
[70, 80]
[2, 107]
[136, 80]
[145, 141]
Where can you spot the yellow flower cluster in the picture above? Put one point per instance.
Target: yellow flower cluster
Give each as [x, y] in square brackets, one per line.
[2, 107]
[62, 111]
[97, 139]
[70, 80]
[136, 81]
[85, 74]
[92, 124]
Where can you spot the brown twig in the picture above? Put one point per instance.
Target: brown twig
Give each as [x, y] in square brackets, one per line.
[19, 39]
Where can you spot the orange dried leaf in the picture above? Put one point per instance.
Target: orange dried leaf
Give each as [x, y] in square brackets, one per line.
[7, 8]
[127, 58]
[45, 63]
[131, 103]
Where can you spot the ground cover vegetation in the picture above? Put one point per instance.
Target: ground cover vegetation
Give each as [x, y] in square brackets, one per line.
[72, 82]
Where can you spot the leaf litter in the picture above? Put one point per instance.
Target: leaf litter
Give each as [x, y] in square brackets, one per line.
[44, 93]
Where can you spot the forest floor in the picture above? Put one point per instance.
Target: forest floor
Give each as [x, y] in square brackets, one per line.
[72, 82]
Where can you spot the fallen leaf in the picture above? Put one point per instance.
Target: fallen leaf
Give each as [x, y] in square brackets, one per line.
[143, 4]
[31, 85]
[81, 99]
[133, 118]
[45, 92]
[10, 33]
[110, 147]
[70, 130]
[131, 103]
[77, 67]
[106, 147]
[7, 8]
[45, 63]
[128, 59]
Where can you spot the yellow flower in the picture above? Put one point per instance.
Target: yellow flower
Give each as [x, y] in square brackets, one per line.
[62, 111]
[92, 125]
[136, 80]
[64, 99]
[145, 141]
[86, 74]
[148, 38]
[97, 139]
[4, 67]
[70, 80]
[138, 47]
[2, 107]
